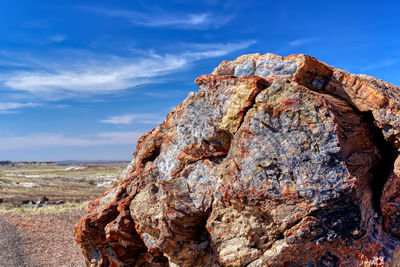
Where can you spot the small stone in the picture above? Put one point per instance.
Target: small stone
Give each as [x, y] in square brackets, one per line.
[43, 200]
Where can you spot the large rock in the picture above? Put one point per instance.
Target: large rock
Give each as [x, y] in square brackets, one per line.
[274, 162]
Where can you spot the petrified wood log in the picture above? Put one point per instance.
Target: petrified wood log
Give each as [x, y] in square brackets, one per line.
[273, 162]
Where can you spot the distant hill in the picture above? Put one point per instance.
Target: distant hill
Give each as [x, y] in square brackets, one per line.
[9, 163]
[6, 163]
[91, 162]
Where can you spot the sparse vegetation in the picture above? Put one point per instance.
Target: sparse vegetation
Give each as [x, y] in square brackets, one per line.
[71, 184]
[46, 209]
[21, 209]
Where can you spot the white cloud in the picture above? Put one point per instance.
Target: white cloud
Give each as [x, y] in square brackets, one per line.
[58, 38]
[58, 78]
[301, 42]
[215, 49]
[61, 106]
[94, 77]
[60, 140]
[186, 21]
[134, 118]
[380, 64]
[6, 107]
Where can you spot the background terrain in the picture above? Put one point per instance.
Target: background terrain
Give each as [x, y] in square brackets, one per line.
[40, 204]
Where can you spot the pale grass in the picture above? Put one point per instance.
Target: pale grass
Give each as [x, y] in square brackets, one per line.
[46, 209]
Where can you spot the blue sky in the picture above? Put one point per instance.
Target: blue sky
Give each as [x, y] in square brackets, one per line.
[82, 80]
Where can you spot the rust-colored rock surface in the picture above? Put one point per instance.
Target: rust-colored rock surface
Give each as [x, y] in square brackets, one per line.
[275, 161]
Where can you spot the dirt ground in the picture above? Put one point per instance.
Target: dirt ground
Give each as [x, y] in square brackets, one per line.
[35, 232]
[34, 240]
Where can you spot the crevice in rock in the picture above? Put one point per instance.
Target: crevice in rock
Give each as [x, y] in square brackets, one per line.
[217, 159]
[264, 84]
[387, 151]
[339, 217]
[153, 155]
[190, 233]
[281, 235]
[204, 237]
[224, 138]
[382, 171]
[330, 260]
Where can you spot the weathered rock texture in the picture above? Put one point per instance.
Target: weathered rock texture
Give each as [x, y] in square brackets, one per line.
[274, 162]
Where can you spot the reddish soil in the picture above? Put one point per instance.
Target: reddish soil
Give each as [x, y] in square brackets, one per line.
[39, 240]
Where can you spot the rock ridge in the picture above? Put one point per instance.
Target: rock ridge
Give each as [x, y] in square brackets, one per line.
[275, 161]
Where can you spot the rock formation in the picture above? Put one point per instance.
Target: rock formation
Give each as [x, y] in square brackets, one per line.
[275, 161]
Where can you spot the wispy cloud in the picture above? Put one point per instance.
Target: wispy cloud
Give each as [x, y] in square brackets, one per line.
[134, 118]
[381, 64]
[61, 106]
[32, 38]
[58, 78]
[57, 38]
[159, 19]
[302, 42]
[60, 140]
[93, 77]
[7, 107]
[215, 49]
